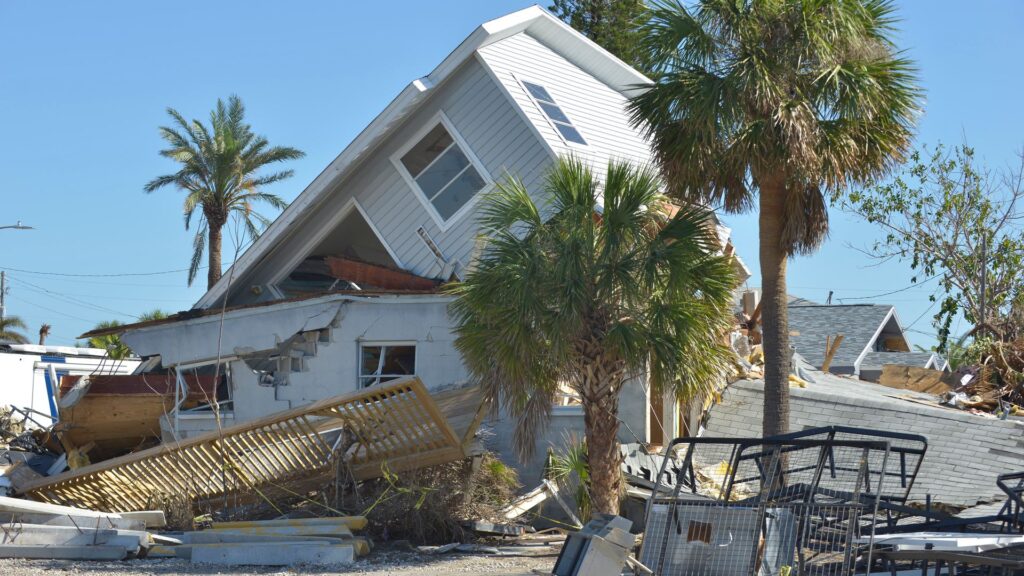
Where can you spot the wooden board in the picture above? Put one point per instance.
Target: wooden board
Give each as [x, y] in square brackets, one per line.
[917, 379]
[396, 425]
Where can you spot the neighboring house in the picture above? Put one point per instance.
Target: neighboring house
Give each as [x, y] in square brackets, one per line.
[30, 374]
[341, 290]
[966, 451]
[872, 337]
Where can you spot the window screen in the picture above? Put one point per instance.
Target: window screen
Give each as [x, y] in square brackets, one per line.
[554, 113]
[383, 362]
[443, 172]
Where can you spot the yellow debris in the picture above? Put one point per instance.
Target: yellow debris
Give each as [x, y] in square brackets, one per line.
[797, 381]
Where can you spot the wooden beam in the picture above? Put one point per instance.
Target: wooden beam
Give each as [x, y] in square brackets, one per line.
[384, 277]
[830, 351]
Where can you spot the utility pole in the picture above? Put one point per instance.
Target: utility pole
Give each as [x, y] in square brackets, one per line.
[3, 292]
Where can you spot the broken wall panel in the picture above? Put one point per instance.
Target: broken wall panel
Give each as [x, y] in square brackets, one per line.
[397, 424]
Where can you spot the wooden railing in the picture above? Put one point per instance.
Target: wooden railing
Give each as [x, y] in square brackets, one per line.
[396, 424]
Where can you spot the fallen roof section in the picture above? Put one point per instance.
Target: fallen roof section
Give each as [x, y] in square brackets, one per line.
[397, 425]
[966, 451]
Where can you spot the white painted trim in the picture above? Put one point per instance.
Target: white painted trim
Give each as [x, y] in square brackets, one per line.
[396, 160]
[571, 145]
[303, 252]
[516, 106]
[871, 342]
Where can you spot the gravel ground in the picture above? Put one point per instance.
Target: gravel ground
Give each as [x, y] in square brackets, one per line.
[378, 563]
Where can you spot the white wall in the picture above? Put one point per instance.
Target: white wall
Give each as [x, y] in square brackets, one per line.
[333, 370]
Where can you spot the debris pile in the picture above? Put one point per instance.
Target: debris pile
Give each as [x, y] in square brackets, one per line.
[995, 383]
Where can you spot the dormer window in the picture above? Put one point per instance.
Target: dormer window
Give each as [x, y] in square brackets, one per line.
[554, 113]
[439, 167]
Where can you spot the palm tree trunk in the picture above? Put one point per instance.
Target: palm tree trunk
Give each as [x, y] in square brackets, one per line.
[213, 274]
[601, 425]
[774, 308]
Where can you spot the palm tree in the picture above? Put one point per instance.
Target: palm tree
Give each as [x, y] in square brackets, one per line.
[780, 105]
[8, 332]
[218, 173]
[583, 296]
[44, 331]
[112, 343]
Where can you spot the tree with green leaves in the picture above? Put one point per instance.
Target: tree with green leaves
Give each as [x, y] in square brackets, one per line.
[9, 330]
[781, 106]
[602, 285]
[959, 223]
[612, 24]
[220, 174]
[112, 343]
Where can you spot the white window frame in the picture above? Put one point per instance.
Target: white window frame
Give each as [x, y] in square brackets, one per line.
[519, 80]
[383, 344]
[396, 160]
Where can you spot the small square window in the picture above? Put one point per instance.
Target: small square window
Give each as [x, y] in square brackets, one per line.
[385, 362]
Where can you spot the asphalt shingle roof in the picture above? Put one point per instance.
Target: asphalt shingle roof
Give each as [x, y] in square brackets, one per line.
[810, 325]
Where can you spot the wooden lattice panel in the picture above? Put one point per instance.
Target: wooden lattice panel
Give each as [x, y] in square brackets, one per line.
[397, 423]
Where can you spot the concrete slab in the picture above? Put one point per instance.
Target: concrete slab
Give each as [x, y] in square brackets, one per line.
[32, 507]
[70, 520]
[151, 518]
[281, 555]
[229, 537]
[330, 530]
[63, 552]
[42, 535]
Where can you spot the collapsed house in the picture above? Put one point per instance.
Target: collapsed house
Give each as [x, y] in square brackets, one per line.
[850, 339]
[342, 292]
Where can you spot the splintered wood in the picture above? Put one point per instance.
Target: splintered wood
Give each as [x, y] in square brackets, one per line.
[397, 424]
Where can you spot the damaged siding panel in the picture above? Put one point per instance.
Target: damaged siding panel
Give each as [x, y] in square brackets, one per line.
[597, 111]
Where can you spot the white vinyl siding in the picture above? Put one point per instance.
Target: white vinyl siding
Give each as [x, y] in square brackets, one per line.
[495, 133]
[596, 110]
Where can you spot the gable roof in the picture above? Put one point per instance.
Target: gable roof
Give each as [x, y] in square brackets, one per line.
[535, 20]
[859, 324]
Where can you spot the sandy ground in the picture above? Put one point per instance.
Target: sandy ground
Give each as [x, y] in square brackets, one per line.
[379, 563]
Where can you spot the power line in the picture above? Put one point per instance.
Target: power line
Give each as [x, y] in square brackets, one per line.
[117, 275]
[912, 285]
[72, 300]
[30, 303]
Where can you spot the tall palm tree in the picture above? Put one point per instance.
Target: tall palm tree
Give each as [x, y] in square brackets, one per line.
[583, 296]
[779, 105]
[9, 326]
[44, 332]
[219, 174]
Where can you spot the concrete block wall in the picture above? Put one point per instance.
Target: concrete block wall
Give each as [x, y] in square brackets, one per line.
[965, 452]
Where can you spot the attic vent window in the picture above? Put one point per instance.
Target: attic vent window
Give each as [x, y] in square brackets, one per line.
[554, 113]
[443, 171]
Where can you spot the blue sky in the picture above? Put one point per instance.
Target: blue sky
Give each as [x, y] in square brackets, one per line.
[83, 87]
